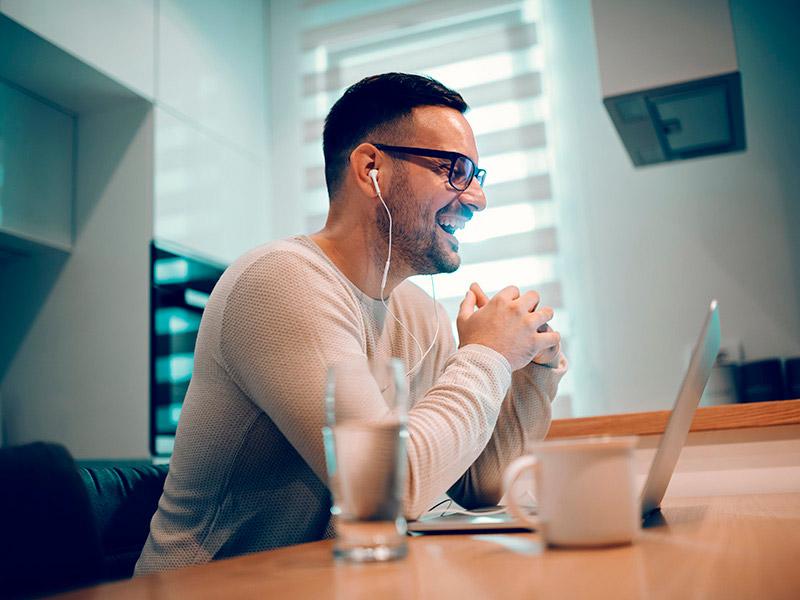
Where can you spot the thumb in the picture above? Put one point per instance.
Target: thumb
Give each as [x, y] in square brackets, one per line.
[480, 296]
[467, 306]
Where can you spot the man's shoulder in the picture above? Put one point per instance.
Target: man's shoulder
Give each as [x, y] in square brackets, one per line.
[283, 262]
[292, 250]
[287, 268]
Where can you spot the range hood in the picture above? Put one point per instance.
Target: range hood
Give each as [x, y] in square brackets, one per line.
[670, 78]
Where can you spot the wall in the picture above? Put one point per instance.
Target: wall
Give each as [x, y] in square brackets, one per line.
[79, 375]
[113, 36]
[186, 163]
[210, 153]
[761, 460]
[644, 250]
[283, 66]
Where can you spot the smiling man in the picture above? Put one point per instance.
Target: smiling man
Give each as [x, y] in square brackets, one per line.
[248, 469]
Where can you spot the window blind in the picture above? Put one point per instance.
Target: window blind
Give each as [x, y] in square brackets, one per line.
[492, 53]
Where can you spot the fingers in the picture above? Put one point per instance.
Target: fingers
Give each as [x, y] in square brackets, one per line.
[528, 301]
[549, 339]
[481, 298]
[467, 305]
[541, 316]
[545, 357]
[508, 293]
[552, 342]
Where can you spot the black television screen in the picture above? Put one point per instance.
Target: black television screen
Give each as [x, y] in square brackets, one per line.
[180, 285]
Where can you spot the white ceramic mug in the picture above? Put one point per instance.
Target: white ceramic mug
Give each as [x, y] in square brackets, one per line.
[585, 490]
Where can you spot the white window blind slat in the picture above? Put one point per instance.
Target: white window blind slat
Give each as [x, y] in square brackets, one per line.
[499, 141]
[494, 275]
[371, 50]
[528, 243]
[500, 221]
[465, 47]
[462, 75]
[517, 113]
[516, 164]
[530, 188]
[321, 13]
[383, 24]
[518, 86]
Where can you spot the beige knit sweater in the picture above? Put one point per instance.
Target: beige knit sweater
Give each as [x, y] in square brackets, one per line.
[248, 469]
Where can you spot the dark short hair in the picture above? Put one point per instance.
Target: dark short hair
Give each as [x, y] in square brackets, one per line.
[373, 104]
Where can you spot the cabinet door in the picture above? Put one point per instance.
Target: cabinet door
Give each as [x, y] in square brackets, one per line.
[36, 165]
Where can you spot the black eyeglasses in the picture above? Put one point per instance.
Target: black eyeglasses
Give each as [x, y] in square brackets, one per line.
[462, 169]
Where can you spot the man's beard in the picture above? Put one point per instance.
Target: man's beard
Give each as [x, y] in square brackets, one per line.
[415, 239]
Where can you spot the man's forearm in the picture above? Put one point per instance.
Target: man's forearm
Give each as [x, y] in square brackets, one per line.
[451, 425]
[523, 420]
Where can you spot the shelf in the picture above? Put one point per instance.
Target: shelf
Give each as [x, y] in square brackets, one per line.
[15, 243]
[56, 76]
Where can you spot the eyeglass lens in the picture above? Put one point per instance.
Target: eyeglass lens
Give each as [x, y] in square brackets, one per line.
[463, 170]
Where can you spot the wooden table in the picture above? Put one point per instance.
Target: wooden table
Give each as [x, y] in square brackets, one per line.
[720, 547]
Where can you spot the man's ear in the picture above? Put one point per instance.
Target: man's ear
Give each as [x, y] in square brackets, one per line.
[363, 159]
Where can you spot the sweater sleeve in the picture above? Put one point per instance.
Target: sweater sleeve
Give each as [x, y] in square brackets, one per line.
[286, 320]
[524, 419]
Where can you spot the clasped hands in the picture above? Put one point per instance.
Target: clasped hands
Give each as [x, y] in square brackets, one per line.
[511, 323]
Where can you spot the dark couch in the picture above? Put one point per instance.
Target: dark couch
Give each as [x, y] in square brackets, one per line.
[65, 525]
[123, 500]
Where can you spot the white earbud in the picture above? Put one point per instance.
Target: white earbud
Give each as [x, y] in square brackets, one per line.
[373, 173]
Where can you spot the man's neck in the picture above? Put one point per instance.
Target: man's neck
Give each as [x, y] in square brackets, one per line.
[360, 256]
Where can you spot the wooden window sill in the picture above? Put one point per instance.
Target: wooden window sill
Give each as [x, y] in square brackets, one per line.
[707, 418]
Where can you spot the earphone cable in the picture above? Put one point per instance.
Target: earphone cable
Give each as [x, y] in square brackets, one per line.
[436, 333]
[386, 306]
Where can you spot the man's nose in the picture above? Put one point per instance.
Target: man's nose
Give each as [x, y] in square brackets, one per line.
[473, 196]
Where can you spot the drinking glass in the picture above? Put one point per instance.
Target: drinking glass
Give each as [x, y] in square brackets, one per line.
[365, 452]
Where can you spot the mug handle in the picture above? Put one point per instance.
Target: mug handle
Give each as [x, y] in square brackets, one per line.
[512, 473]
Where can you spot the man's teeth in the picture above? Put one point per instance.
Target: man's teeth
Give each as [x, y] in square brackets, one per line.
[450, 225]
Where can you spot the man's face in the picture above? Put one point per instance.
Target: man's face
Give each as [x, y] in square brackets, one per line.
[422, 201]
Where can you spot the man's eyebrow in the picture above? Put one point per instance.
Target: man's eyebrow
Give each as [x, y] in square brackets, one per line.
[475, 160]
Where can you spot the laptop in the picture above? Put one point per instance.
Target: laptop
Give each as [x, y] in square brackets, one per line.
[680, 420]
